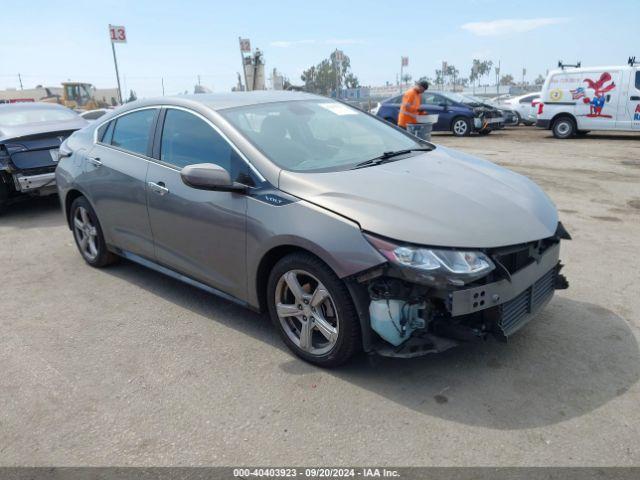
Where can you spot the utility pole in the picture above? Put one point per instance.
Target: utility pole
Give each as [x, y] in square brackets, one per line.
[162, 81]
[20, 79]
[498, 78]
[198, 80]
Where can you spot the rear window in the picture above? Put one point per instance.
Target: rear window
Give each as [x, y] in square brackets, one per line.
[132, 131]
[93, 115]
[26, 116]
[529, 98]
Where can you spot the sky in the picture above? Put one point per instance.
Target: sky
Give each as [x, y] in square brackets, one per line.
[48, 42]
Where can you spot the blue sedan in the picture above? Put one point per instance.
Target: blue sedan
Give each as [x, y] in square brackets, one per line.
[457, 113]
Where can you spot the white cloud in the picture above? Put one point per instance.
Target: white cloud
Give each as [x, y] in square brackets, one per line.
[329, 41]
[290, 43]
[510, 25]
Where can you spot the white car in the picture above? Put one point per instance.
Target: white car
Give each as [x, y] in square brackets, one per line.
[522, 106]
[91, 115]
[578, 100]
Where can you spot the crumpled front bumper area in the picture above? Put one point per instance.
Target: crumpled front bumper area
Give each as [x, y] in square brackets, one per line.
[440, 319]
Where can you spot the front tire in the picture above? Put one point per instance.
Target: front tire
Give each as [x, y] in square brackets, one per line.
[461, 127]
[88, 234]
[4, 194]
[564, 127]
[484, 132]
[313, 310]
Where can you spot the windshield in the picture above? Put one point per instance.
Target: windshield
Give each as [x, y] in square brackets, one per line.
[14, 117]
[316, 135]
[478, 100]
[456, 97]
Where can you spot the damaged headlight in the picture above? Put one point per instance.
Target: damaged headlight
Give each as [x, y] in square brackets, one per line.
[435, 266]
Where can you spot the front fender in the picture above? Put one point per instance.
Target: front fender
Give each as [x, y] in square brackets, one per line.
[334, 239]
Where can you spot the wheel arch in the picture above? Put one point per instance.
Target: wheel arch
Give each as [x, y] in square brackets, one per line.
[269, 260]
[68, 201]
[559, 115]
[358, 292]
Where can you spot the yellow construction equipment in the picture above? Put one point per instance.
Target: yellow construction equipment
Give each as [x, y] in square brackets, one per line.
[77, 96]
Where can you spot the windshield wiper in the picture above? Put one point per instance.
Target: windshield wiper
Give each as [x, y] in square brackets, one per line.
[386, 156]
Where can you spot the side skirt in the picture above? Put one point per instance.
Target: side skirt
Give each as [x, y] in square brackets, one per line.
[178, 276]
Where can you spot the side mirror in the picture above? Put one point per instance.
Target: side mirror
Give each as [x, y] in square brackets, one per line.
[208, 176]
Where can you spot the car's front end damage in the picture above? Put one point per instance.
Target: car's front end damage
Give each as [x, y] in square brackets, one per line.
[427, 300]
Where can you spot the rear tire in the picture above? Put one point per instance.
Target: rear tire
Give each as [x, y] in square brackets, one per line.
[88, 234]
[313, 311]
[519, 119]
[461, 127]
[564, 127]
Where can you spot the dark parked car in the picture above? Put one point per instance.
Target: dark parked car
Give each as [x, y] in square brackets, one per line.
[352, 234]
[457, 113]
[30, 135]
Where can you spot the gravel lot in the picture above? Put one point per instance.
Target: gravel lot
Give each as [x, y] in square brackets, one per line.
[126, 367]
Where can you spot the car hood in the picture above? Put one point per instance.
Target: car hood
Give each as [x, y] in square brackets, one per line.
[437, 198]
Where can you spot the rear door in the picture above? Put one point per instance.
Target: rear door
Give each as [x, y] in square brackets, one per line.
[629, 118]
[114, 179]
[199, 233]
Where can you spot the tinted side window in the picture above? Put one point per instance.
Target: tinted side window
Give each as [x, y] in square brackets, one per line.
[432, 99]
[638, 79]
[187, 139]
[131, 132]
[529, 98]
[106, 132]
[93, 115]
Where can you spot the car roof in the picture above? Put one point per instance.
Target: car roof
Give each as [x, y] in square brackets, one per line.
[570, 70]
[222, 101]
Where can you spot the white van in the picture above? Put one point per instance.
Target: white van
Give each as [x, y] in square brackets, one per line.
[575, 101]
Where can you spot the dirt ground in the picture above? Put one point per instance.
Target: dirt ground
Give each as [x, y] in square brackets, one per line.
[123, 366]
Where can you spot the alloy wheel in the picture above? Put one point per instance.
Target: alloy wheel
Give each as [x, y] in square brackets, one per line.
[307, 312]
[460, 127]
[86, 233]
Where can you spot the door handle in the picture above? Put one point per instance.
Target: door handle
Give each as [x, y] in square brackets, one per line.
[635, 98]
[158, 188]
[95, 161]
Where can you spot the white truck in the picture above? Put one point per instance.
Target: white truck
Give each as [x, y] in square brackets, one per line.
[576, 100]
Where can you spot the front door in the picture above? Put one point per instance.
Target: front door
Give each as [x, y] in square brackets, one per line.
[435, 104]
[597, 96]
[199, 233]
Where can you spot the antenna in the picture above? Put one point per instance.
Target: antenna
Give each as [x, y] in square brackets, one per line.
[565, 65]
[632, 61]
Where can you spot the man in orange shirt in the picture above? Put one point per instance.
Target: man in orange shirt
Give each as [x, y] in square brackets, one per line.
[411, 100]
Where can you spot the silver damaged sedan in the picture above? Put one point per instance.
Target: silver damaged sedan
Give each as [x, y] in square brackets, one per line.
[352, 234]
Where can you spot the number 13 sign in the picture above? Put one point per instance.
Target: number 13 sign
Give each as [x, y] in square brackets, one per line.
[117, 34]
